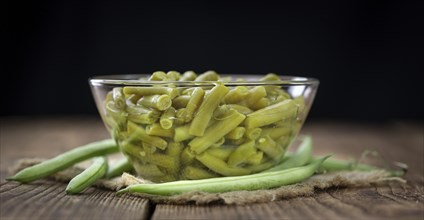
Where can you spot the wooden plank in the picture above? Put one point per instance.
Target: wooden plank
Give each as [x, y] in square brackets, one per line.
[363, 203]
[48, 200]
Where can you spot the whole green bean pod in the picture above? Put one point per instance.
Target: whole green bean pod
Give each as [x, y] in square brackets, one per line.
[65, 160]
[85, 179]
[226, 184]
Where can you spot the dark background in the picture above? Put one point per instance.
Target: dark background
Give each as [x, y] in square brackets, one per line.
[365, 53]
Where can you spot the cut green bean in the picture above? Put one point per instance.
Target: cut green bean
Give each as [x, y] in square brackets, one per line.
[195, 173]
[87, 177]
[236, 133]
[276, 132]
[65, 160]
[158, 76]
[119, 168]
[207, 76]
[236, 95]
[159, 102]
[255, 94]
[148, 170]
[226, 184]
[205, 111]
[181, 133]
[242, 153]
[119, 98]
[271, 114]
[188, 76]
[157, 130]
[221, 152]
[139, 133]
[261, 103]
[241, 108]
[253, 133]
[216, 131]
[180, 101]
[173, 75]
[220, 166]
[256, 158]
[193, 104]
[147, 91]
[167, 118]
[270, 148]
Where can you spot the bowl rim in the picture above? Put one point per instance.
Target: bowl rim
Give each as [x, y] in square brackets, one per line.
[127, 80]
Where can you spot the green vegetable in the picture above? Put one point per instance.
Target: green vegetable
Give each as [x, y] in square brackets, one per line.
[300, 158]
[270, 114]
[120, 167]
[204, 114]
[216, 131]
[85, 179]
[65, 160]
[226, 184]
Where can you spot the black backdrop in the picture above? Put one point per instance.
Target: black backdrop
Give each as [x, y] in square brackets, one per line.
[365, 53]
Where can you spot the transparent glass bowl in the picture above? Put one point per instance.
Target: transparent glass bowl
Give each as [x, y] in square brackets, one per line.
[175, 130]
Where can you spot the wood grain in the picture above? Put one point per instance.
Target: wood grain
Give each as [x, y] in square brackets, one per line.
[48, 200]
[45, 199]
[362, 203]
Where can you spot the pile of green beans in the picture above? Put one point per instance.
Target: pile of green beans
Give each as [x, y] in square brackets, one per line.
[294, 167]
[187, 131]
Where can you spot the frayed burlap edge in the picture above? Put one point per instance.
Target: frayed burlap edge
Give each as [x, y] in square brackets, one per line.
[345, 179]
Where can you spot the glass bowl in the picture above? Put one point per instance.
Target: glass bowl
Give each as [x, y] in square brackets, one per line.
[175, 126]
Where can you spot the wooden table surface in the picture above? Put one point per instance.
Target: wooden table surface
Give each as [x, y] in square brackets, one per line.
[46, 199]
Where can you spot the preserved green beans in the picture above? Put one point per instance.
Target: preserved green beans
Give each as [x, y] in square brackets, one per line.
[200, 125]
[204, 114]
[216, 131]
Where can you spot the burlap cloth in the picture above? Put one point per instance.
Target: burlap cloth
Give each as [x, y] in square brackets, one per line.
[344, 179]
